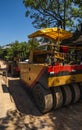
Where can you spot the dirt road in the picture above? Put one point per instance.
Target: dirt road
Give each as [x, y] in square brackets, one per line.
[26, 116]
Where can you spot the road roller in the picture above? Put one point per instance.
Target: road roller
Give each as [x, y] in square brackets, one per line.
[54, 71]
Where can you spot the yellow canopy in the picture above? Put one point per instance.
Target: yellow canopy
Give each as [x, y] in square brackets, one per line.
[57, 34]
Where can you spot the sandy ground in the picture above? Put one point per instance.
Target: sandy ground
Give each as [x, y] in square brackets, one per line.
[26, 116]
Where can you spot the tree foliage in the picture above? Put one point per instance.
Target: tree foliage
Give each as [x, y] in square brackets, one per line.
[21, 48]
[50, 13]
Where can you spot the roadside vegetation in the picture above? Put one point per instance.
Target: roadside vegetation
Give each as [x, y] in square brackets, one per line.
[21, 48]
[54, 13]
[45, 13]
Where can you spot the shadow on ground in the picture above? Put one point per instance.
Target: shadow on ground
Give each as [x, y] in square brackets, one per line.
[22, 97]
[28, 117]
[68, 118]
[14, 121]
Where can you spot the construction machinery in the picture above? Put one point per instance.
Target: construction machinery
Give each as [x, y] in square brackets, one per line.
[54, 75]
[13, 67]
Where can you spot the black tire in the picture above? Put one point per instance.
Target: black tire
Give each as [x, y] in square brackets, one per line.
[43, 98]
[75, 92]
[80, 85]
[58, 97]
[67, 94]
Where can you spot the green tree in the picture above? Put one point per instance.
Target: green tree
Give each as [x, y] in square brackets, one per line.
[32, 44]
[15, 46]
[21, 48]
[1, 52]
[24, 50]
[50, 13]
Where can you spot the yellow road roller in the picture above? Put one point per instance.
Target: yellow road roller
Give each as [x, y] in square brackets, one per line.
[54, 71]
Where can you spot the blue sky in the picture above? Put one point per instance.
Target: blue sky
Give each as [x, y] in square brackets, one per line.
[13, 23]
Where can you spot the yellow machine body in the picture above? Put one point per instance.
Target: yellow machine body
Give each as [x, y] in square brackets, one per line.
[54, 77]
